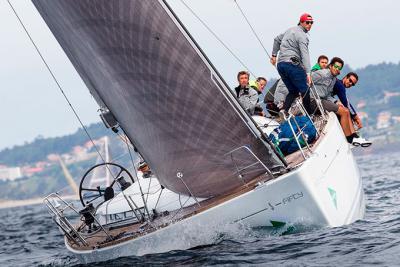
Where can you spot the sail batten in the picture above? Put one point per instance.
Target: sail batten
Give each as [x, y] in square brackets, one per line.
[140, 63]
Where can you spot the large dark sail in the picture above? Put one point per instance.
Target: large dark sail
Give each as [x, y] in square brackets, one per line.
[139, 62]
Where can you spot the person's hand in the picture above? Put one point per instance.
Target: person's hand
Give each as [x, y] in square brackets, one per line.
[339, 104]
[358, 122]
[308, 79]
[273, 60]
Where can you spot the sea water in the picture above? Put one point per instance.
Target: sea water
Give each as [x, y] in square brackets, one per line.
[28, 237]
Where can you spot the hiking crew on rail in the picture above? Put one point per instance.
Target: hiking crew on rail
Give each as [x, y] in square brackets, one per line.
[297, 76]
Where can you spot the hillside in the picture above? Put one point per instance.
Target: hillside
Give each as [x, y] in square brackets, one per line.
[39, 167]
[377, 90]
[375, 79]
[38, 149]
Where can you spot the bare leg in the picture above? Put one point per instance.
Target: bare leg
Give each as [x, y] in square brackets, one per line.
[345, 121]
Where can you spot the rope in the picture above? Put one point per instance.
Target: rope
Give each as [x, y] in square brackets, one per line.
[254, 32]
[218, 39]
[56, 81]
[137, 178]
[252, 29]
[226, 47]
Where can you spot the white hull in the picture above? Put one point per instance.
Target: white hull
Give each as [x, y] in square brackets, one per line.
[326, 190]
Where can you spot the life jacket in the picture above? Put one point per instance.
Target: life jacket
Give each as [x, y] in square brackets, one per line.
[253, 84]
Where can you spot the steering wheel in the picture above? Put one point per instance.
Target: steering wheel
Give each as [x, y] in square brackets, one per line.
[97, 192]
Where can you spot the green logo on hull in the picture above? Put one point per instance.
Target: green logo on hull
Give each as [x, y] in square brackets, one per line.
[333, 196]
[277, 223]
[281, 225]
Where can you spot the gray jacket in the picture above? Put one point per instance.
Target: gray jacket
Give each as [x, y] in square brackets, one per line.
[248, 98]
[280, 93]
[324, 81]
[293, 43]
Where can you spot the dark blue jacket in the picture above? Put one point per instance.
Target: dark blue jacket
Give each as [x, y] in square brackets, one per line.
[340, 90]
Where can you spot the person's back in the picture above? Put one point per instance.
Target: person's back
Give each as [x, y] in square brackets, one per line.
[324, 82]
[294, 47]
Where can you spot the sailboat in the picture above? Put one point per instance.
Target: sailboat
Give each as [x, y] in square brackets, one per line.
[211, 161]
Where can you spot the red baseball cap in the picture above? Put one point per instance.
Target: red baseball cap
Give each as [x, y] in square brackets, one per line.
[305, 17]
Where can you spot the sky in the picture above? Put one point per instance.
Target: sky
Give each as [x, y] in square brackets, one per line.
[31, 105]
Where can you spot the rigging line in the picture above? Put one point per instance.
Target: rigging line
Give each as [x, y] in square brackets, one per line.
[137, 178]
[158, 199]
[251, 27]
[226, 47]
[56, 81]
[219, 39]
[148, 189]
[255, 34]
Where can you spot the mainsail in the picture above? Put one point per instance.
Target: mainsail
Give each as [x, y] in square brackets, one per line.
[140, 63]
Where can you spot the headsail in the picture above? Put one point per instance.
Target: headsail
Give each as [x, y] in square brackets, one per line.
[139, 62]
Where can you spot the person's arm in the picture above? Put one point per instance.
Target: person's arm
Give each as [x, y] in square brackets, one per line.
[358, 121]
[316, 77]
[276, 47]
[355, 116]
[305, 55]
[352, 110]
[340, 91]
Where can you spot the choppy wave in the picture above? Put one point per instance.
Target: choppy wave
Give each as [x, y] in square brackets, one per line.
[29, 238]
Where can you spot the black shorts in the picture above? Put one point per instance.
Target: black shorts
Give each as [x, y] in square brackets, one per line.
[329, 106]
[326, 104]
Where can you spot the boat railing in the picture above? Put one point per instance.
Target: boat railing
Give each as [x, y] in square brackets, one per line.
[294, 125]
[62, 212]
[239, 170]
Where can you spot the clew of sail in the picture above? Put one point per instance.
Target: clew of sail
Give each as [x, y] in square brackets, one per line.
[140, 63]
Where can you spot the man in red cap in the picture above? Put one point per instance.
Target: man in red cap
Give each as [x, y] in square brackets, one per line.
[294, 62]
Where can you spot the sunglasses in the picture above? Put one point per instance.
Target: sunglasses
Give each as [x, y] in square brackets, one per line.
[309, 22]
[352, 83]
[337, 67]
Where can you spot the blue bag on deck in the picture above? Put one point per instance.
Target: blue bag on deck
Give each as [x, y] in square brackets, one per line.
[283, 137]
